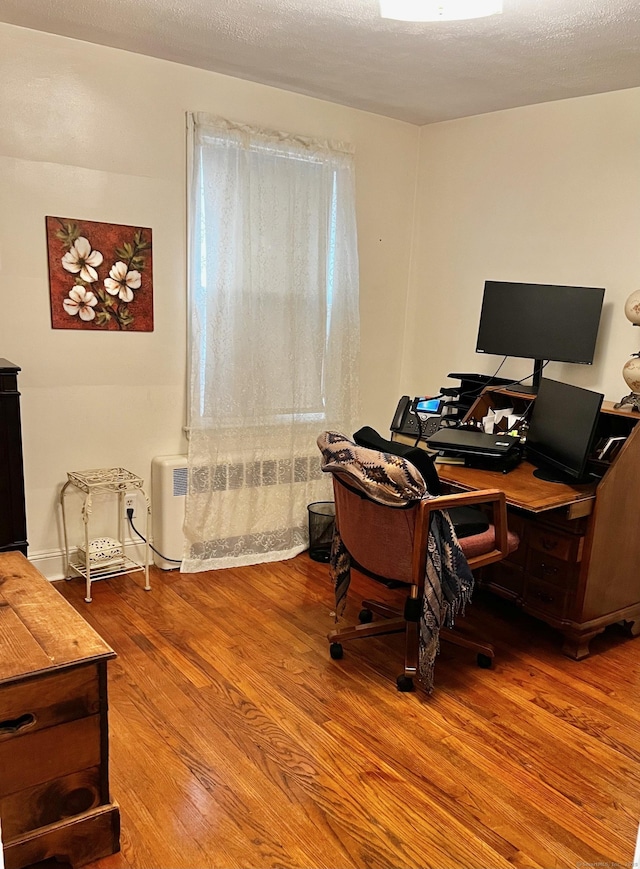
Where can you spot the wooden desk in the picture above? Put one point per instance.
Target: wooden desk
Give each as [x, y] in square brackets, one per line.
[578, 564]
[523, 490]
[54, 746]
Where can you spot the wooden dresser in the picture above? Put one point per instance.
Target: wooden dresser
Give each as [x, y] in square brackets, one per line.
[54, 745]
[13, 521]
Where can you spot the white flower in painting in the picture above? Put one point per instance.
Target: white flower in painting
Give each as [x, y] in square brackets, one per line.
[82, 259]
[81, 301]
[121, 281]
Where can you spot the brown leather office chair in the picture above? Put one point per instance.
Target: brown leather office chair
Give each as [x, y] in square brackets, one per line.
[390, 528]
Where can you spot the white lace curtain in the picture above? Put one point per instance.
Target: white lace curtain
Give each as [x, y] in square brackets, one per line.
[273, 336]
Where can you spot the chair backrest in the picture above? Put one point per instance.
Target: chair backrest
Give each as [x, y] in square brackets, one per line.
[381, 540]
[377, 499]
[378, 537]
[467, 521]
[370, 438]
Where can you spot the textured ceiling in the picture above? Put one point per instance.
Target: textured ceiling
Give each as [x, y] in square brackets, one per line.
[340, 50]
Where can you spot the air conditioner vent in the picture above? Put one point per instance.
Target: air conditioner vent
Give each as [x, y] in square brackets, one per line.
[180, 477]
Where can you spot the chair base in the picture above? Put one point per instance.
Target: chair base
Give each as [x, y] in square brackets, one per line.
[461, 636]
[405, 683]
[395, 623]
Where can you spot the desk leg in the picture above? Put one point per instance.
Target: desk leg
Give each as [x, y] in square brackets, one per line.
[576, 645]
[633, 627]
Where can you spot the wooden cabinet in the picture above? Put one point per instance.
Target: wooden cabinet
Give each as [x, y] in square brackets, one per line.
[577, 566]
[54, 744]
[13, 523]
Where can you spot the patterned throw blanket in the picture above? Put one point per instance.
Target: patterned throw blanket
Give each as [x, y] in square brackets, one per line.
[391, 480]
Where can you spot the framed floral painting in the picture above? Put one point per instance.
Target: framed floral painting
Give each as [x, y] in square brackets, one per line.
[100, 275]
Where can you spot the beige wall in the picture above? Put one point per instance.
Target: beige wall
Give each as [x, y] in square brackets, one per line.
[99, 134]
[547, 194]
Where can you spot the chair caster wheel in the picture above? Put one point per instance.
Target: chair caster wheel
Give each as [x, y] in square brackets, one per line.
[365, 616]
[405, 683]
[336, 651]
[484, 661]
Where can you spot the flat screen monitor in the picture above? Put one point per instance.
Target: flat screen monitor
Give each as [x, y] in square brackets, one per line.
[561, 431]
[543, 322]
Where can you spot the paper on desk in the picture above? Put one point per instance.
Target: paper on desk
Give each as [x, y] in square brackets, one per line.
[494, 417]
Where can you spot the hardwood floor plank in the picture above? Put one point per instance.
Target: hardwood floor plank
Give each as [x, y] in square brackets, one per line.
[307, 779]
[237, 743]
[212, 754]
[467, 792]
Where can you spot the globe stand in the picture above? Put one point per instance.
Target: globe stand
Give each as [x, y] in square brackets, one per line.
[631, 369]
[633, 399]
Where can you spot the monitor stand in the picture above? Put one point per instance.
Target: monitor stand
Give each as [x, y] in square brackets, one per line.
[538, 365]
[552, 476]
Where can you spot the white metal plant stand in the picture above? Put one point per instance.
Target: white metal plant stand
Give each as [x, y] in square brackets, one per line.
[104, 481]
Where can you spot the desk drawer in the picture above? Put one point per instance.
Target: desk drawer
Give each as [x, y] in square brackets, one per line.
[551, 570]
[560, 520]
[567, 547]
[35, 704]
[543, 599]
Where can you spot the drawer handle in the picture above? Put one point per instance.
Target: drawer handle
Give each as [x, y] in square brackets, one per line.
[547, 568]
[545, 598]
[548, 545]
[15, 725]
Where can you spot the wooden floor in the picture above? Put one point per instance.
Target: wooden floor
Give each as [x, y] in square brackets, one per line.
[236, 742]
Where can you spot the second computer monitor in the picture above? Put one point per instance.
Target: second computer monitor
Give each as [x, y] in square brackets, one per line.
[561, 431]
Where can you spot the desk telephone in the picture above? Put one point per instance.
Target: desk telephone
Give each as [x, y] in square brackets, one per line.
[420, 417]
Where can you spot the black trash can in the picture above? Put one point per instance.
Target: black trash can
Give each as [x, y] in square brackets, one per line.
[322, 519]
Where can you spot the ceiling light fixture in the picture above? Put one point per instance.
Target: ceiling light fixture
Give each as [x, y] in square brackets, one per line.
[438, 10]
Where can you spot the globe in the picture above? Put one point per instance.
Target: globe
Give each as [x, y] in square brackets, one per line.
[631, 374]
[632, 308]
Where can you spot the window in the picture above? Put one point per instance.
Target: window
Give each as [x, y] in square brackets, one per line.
[273, 332]
[273, 274]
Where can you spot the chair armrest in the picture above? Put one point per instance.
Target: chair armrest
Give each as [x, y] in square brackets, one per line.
[495, 498]
[480, 496]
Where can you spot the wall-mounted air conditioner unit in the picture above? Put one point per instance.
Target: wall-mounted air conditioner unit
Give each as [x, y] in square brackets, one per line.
[169, 490]
[225, 481]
